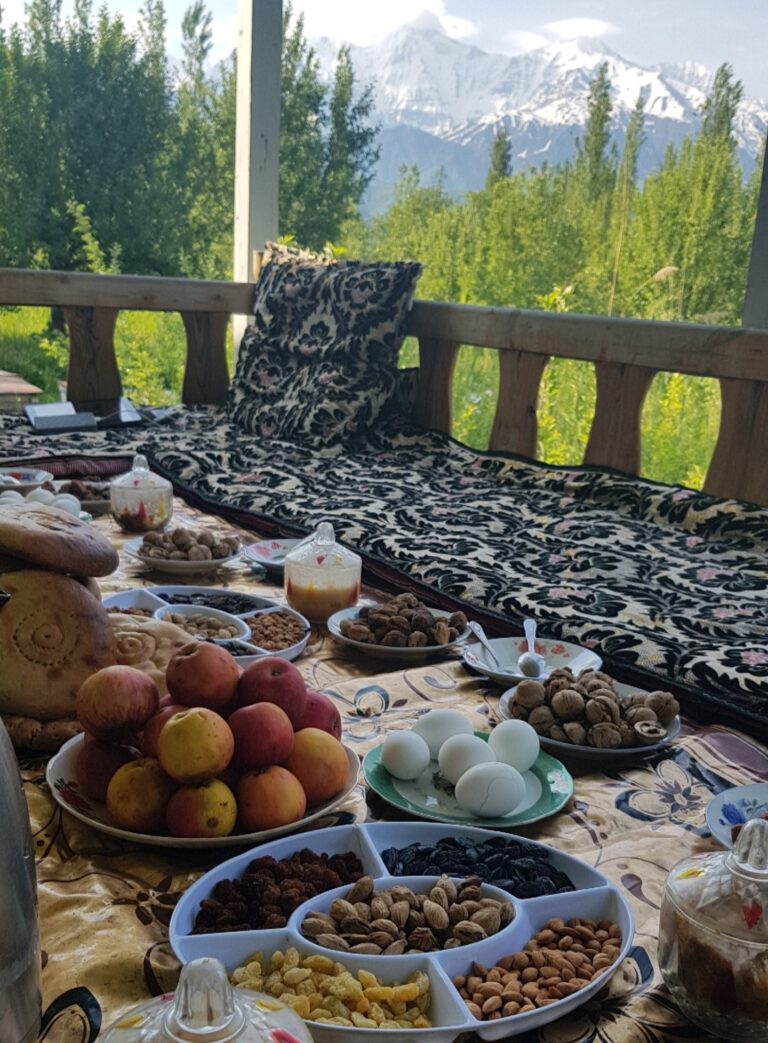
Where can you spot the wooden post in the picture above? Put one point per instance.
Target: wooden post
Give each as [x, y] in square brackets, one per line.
[257, 134]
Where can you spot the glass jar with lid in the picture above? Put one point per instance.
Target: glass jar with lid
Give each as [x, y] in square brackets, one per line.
[141, 501]
[206, 1009]
[713, 937]
[322, 576]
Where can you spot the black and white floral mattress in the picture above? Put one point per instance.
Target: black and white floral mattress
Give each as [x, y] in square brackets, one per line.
[670, 585]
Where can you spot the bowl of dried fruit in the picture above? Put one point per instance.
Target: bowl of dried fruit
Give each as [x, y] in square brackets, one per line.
[183, 551]
[402, 628]
[204, 623]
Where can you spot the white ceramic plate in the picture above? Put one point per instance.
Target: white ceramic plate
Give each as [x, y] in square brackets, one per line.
[595, 898]
[508, 649]
[177, 568]
[62, 779]
[734, 807]
[27, 479]
[409, 655]
[593, 753]
[270, 554]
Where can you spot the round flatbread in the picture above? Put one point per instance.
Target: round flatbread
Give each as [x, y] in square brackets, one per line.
[147, 644]
[55, 540]
[53, 634]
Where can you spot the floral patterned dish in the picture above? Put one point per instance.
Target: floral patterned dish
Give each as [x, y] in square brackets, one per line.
[508, 649]
[61, 777]
[548, 787]
[734, 807]
[270, 554]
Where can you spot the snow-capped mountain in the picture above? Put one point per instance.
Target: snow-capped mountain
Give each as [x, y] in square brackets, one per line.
[439, 102]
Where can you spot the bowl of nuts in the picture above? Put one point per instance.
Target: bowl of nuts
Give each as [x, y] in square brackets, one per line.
[592, 717]
[204, 623]
[402, 628]
[185, 551]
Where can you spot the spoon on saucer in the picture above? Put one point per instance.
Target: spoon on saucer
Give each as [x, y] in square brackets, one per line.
[480, 634]
[530, 663]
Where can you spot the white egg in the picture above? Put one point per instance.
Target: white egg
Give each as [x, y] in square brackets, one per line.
[67, 503]
[462, 752]
[438, 725]
[11, 496]
[405, 755]
[515, 743]
[41, 496]
[490, 790]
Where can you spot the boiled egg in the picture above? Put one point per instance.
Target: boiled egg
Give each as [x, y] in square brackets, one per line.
[438, 725]
[41, 496]
[67, 503]
[515, 743]
[405, 755]
[11, 496]
[491, 790]
[462, 752]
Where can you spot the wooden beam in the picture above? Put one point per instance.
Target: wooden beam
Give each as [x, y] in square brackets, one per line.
[515, 425]
[126, 292]
[755, 311]
[614, 438]
[206, 378]
[432, 408]
[707, 351]
[93, 374]
[257, 130]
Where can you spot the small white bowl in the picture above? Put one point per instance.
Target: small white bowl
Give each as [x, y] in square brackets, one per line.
[243, 630]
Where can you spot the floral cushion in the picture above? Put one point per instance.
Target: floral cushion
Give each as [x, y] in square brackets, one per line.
[319, 364]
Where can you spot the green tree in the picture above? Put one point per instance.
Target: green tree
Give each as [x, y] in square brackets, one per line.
[592, 154]
[719, 110]
[501, 157]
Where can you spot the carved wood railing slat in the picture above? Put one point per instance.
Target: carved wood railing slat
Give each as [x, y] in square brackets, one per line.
[93, 373]
[515, 425]
[437, 359]
[739, 465]
[206, 377]
[614, 438]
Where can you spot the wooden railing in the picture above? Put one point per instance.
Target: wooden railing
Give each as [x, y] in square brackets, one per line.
[627, 353]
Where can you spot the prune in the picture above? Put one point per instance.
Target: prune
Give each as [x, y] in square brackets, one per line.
[514, 865]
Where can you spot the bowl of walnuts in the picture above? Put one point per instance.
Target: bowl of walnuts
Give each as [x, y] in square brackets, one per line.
[591, 716]
[183, 551]
[402, 628]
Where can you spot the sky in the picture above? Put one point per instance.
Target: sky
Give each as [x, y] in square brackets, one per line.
[644, 31]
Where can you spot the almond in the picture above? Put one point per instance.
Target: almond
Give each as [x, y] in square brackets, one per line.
[436, 916]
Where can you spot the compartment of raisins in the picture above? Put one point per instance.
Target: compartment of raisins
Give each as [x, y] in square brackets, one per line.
[522, 867]
[224, 898]
[563, 949]
[391, 917]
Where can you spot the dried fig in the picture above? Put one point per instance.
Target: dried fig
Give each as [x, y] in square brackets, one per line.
[395, 639]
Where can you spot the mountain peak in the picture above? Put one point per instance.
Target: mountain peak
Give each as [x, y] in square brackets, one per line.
[426, 21]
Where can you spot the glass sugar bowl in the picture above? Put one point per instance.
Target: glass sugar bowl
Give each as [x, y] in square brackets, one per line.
[206, 1009]
[713, 939]
[321, 576]
[141, 501]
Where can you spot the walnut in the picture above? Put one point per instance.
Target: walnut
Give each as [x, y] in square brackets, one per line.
[588, 675]
[664, 705]
[540, 718]
[648, 732]
[417, 639]
[604, 693]
[554, 685]
[592, 684]
[627, 734]
[529, 694]
[394, 639]
[516, 711]
[441, 632]
[606, 736]
[562, 671]
[576, 733]
[568, 705]
[154, 539]
[206, 539]
[198, 553]
[182, 538]
[638, 699]
[602, 708]
[219, 550]
[458, 620]
[635, 714]
[558, 733]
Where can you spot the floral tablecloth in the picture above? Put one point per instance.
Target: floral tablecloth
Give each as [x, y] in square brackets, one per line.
[105, 905]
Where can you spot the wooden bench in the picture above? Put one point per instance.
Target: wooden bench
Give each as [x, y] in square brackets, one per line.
[627, 353]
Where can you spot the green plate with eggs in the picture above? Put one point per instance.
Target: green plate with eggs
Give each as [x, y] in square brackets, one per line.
[548, 787]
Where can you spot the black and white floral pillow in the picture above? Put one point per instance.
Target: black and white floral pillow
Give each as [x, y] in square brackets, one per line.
[319, 363]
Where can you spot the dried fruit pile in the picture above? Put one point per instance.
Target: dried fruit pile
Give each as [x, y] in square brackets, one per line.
[588, 711]
[269, 890]
[404, 622]
[398, 920]
[182, 544]
[558, 961]
[517, 867]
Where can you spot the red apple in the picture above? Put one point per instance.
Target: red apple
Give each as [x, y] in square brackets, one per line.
[263, 735]
[116, 701]
[202, 674]
[320, 712]
[154, 726]
[97, 762]
[274, 680]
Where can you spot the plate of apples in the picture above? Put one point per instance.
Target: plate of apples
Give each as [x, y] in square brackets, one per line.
[228, 757]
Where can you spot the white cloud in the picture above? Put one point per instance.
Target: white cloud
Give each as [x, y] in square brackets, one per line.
[356, 22]
[521, 40]
[568, 28]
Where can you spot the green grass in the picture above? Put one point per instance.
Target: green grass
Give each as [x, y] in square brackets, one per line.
[680, 421]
